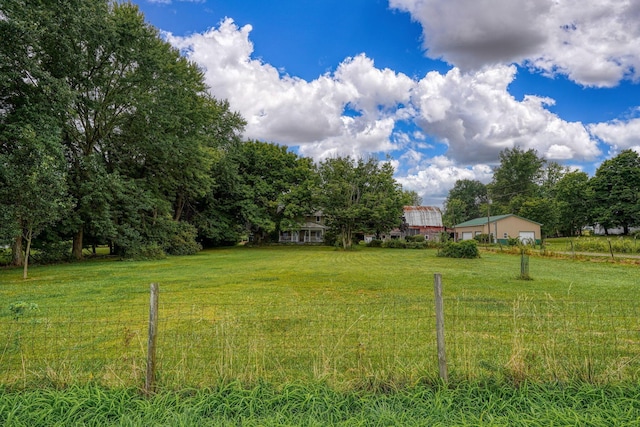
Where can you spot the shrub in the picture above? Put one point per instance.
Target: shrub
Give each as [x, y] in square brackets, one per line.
[375, 243]
[19, 308]
[444, 237]
[483, 238]
[464, 249]
[50, 252]
[145, 252]
[513, 241]
[395, 244]
[419, 238]
[183, 240]
[417, 245]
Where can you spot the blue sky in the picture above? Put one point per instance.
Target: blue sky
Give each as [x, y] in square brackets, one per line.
[439, 86]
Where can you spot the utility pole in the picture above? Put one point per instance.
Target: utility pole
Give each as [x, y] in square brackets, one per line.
[488, 219]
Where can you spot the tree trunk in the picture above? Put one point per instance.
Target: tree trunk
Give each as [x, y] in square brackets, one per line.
[347, 238]
[26, 256]
[180, 202]
[77, 244]
[17, 258]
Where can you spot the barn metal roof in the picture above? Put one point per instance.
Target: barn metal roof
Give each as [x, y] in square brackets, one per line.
[423, 216]
[483, 220]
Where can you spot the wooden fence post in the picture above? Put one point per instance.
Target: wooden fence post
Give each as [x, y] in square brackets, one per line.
[442, 355]
[149, 384]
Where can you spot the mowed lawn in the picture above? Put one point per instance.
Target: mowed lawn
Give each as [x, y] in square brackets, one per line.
[355, 319]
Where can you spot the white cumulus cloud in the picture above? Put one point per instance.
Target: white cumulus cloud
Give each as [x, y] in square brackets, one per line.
[436, 176]
[477, 117]
[593, 42]
[620, 135]
[292, 111]
[357, 109]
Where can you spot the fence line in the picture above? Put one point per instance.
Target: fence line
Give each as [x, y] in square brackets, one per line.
[376, 340]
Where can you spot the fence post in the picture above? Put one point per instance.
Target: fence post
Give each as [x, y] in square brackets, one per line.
[149, 384]
[442, 355]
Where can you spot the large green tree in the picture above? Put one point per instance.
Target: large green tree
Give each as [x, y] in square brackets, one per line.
[32, 183]
[111, 61]
[140, 133]
[266, 188]
[543, 210]
[516, 179]
[616, 191]
[464, 202]
[359, 196]
[573, 197]
[32, 100]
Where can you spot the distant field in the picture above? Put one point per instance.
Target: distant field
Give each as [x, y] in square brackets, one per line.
[357, 319]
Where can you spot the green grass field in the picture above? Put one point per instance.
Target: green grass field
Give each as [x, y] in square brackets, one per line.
[316, 336]
[361, 319]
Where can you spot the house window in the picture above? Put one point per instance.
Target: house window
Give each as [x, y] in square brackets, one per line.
[317, 219]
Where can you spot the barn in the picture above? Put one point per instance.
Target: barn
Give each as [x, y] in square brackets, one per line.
[425, 220]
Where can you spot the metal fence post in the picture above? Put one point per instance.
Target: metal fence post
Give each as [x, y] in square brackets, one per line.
[149, 384]
[442, 355]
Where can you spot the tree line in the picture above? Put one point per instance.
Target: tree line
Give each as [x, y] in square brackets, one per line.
[109, 136]
[564, 201]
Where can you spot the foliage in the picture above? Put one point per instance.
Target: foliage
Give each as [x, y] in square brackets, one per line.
[483, 238]
[311, 403]
[604, 245]
[616, 191]
[182, 239]
[139, 132]
[519, 173]
[463, 249]
[19, 308]
[273, 186]
[359, 196]
[574, 199]
[51, 251]
[375, 243]
[411, 198]
[464, 202]
[514, 241]
[544, 211]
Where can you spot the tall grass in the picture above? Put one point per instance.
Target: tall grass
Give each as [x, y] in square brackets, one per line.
[360, 320]
[597, 244]
[318, 405]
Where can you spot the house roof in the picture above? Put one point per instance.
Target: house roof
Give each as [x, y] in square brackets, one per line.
[483, 220]
[313, 226]
[423, 216]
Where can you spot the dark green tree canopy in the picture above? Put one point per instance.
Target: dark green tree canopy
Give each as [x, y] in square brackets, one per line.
[616, 191]
[359, 196]
[519, 174]
[464, 202]
[574, 199]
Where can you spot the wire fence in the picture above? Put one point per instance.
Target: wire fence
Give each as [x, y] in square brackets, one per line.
[363, 343]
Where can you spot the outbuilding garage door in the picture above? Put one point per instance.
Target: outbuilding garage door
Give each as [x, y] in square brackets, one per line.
[467, 235]
[527, 237]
